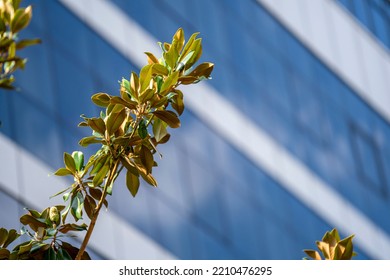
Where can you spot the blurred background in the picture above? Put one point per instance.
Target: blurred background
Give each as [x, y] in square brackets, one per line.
[288, 140]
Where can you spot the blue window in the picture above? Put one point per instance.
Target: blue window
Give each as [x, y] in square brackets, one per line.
[368, 161]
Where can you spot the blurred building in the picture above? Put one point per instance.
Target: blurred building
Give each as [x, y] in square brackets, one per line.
[289, 139]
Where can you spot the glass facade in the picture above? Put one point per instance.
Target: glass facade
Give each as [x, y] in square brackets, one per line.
[213, 202]
[374, 14]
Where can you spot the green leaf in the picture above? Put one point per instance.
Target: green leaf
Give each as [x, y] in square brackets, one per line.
[63, 172]
[25, 248]
[134, 85]
[146, 95]
[60, 192]
[99, 163]
[101, 99]
[69, 163]
[78, 159]
[171, 57]
[142, 129]
[151, 58]
[21, 19]
[202, 70]
[12, 236]
[132, 183]
[169, 82]
[129, 165]
[32, 222]
[177, 102]
[89, 205]
[72, 251]
[146, 158]
[3, 236]
[50, 254]
[72, 227]
[313, 254]
[84, 142]
[97, 124]
[159, 130]
[169, 117]
[129, 104]
[149, 179]
[77, 206]
[4, 254]
[188, 47]
[64, 255]
[114, 121]
[197, 48]
[185, 60]
[26, 42]
[346, 248]
[145, 76]
[65, 197]
[160, 69]
[324, 248]
[178, 40]
[99, 177]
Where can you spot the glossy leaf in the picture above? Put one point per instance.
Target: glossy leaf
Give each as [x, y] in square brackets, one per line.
[178, 40]
[146, 158]
[25, 248]
[118, 100]
[169, 82]
[101, 99]
[72, 227]
[188, 47]
[114, 121]
[169, 117]
[63, 255]
[26, 42]
[3, 236]
[177, 102]
[99, 177]
[151, 58]
[129, 165]
[160, 69]
[4, 254]
[12, 236]
[63, 172]
[72, 251]
[21, 19]
[86, 141]
[132, 183]
[32, 222]
[148, 178]
[69, 163]
[146, 95]
[313, 254]
[78, 159]
[97, 124]
[159, 130]
[203, 69]
[142, 129]
[134, 85]
[145, 76]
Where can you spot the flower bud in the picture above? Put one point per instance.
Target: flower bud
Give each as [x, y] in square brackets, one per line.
[54, 216]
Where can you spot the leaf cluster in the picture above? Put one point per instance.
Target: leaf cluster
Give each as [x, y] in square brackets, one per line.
[44, 230]
[128, 131]
[332, 248]
[13, 19]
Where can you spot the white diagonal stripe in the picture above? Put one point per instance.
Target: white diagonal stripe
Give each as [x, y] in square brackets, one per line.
[39, 186]
[342, 44]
